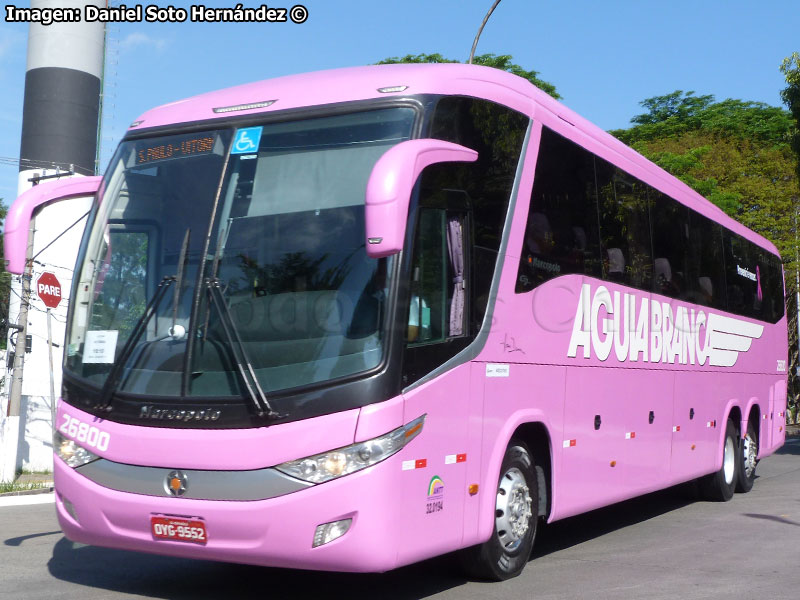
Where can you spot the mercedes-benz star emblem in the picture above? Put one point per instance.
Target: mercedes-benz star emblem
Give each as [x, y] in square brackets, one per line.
[175, 483]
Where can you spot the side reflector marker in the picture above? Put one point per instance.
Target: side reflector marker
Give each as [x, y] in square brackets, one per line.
[410, 465]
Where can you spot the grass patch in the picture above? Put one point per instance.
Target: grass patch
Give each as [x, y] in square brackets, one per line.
[12, 486]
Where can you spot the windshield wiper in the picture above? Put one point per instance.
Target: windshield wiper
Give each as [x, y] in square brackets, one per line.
[243, 364]
[138, 329]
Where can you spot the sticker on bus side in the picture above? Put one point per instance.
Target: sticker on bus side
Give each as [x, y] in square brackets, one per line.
[497, 370]
[435, 501]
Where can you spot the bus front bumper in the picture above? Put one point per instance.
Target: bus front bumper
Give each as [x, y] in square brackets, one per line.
[278, 532]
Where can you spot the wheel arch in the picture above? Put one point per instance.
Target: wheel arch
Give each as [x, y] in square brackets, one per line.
[754, 417]
[537, 438]
[530, 427]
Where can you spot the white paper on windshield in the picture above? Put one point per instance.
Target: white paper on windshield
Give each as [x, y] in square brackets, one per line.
[99, 346]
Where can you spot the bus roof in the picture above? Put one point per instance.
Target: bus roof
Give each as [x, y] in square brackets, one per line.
[401, 80]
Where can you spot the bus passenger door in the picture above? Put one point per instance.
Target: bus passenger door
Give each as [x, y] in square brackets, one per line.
[433, 477]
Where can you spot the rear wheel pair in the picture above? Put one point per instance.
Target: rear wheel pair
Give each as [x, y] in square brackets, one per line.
[506, 552]
[748, 456]
[738, 471]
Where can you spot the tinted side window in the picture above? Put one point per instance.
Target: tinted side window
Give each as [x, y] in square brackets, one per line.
[588, 216]
[561, 234]
[497, 134]
[771, 272]
[754, 280]
[740, 276]
[436, 309]
[626, 249]
[669, 221]
[706, 274]
[476, 196]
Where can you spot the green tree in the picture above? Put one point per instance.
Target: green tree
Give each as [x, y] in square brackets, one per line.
[790, 67]
[791, 97]
[502, 62]
[675, 114]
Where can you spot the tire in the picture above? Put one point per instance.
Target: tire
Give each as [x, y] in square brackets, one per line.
[506, 552]
[719, 486]
[747, 460]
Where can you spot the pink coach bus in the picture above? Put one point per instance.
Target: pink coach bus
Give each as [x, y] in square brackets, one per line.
[354, 319]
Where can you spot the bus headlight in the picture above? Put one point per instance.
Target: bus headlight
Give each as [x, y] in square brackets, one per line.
[70, 452]
[343, 461]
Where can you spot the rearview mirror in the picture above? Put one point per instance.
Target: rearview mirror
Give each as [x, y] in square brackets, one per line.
[18, 220]
[389, 189]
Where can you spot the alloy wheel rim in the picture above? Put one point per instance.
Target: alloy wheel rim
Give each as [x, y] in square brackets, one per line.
[513, 509]
[750, 450]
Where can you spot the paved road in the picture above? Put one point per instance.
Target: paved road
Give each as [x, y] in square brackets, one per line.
[661, 546]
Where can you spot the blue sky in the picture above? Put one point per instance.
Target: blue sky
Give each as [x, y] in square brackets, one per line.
[603, 57]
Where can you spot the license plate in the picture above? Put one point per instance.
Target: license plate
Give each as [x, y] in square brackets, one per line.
[179, 530]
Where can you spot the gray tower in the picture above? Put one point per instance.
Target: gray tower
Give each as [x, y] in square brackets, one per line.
[62, 95]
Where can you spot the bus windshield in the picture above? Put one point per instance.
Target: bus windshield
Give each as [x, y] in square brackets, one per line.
[271, 216]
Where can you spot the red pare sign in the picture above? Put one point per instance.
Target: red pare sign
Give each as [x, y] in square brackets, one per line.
[49, 290]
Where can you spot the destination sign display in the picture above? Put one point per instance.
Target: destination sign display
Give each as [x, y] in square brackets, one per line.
[160, 149]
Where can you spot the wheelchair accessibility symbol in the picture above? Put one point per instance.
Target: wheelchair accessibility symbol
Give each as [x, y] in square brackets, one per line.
[247, 140]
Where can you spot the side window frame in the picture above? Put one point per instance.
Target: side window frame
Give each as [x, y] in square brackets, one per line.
[483, 190]
[152, 230]
[426, 310]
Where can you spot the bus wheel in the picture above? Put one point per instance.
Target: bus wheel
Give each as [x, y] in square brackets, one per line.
[720, 486]
[506, 552]
[747, 456]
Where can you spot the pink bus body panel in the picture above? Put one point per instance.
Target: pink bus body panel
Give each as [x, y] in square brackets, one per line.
[473, 409]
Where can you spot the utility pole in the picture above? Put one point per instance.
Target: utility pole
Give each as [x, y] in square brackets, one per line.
[8, 467]
[15, 394]
[52, 374]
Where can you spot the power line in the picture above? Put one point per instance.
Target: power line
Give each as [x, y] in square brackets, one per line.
[52, 266]
[29, 163]
[34, 307]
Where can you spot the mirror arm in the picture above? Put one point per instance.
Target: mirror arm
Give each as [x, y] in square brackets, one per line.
[390, 185]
